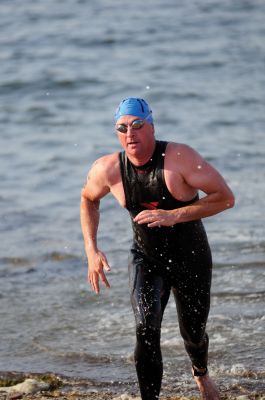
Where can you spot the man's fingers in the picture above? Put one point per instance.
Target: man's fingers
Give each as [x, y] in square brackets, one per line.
[146, 217]
[94, 283]
[104, 279]
[144, 220]
[155, 218]
[142, 215]
[105, 262]
[95, 272]
[94, 280]
[106, 265]
[153, 224]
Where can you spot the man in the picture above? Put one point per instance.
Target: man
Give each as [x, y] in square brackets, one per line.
[158, 183]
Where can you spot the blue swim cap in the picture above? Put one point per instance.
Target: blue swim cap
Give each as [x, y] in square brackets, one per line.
[134, 106]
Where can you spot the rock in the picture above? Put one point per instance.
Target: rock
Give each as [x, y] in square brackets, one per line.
[29, 386]
[126, 396]
[15, 396]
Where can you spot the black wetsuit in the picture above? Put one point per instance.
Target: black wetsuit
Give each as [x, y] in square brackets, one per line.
[176, 258]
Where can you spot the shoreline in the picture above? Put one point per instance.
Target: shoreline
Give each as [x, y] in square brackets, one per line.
[66, 388]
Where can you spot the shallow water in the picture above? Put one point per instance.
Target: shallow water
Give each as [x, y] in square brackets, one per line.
[64, 68]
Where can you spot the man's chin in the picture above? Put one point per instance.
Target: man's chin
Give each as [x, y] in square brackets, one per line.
[133, 146]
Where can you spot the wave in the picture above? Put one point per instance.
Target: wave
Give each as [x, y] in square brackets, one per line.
[16, 261]
[243, 294]
[52, 256]
[74, 356]
[241, 265]
[43, 84]
[21, 265]
[240, 370]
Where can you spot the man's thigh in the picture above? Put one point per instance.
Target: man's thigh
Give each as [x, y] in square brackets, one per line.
[149, 292]
[192, 296]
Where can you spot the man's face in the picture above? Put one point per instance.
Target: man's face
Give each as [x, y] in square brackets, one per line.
[135, 142]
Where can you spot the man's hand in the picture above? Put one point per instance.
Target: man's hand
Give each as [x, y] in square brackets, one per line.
[156, 218]
[97, 261]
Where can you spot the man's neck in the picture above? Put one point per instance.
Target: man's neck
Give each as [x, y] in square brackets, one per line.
[139, 160]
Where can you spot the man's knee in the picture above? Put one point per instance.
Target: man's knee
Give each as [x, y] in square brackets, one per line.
[195, 337]
[196, 341]
[148, 336]
[147, 345]
[147, 329]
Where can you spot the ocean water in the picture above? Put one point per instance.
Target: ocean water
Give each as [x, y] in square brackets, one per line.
[64, 67]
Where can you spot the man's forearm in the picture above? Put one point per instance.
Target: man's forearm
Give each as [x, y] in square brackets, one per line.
[205, 207]
[209, 205]
[89, 216]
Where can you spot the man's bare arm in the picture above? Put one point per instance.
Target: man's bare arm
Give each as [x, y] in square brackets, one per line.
[94, 189]
[198, 174]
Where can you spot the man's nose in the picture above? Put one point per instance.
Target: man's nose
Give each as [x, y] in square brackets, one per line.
[130, 130]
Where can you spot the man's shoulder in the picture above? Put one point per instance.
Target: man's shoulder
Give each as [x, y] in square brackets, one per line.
[182, 158]
[107, 161]
[179, 149]
[106, 166]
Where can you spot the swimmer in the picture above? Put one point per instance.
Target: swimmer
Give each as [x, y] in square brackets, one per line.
[158, 183]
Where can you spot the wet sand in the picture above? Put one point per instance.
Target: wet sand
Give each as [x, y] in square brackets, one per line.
[64, 388]
[112, 396]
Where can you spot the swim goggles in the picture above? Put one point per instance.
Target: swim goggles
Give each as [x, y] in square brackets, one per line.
[136, 124]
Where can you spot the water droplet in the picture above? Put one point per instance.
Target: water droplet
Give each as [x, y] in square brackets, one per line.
[147, 87]
[199, 166]
[163, 198]
[178, 154]
[163, 154]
